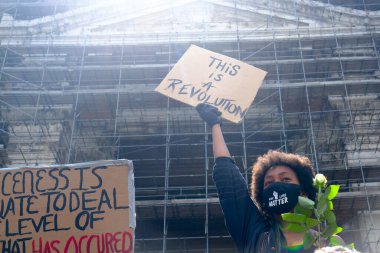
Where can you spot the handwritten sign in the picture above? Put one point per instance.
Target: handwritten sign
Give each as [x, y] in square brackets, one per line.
[76, 208]
[203, 76]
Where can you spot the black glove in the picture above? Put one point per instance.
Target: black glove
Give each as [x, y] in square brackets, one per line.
[209, 113]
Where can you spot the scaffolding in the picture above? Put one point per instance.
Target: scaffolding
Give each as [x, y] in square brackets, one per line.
[77, 83]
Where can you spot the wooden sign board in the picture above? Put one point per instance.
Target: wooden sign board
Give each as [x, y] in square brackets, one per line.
[86, 207]
[203, 76]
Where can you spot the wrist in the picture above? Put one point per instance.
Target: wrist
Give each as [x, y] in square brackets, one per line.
[216, 126]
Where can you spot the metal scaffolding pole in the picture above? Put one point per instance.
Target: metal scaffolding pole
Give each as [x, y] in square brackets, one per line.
[116, 141]
[1, 76]
[167, 165]
[75, 109]
[39, 135]
[243, 132]
[206, 186]
[206, 169]
[284, 137]
[313, 148]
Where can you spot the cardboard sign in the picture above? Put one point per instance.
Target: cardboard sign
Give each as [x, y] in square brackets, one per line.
[203, 76]
[86, 207]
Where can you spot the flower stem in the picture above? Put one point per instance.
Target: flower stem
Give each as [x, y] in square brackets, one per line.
[319, 221]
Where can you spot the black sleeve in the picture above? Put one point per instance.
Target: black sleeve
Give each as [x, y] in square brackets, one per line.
[243, 219]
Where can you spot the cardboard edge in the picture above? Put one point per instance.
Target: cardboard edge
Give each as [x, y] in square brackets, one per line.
[131, 197]
[45, 166]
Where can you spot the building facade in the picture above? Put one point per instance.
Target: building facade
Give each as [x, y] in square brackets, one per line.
[77, 82]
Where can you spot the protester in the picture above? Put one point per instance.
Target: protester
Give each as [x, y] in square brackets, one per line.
[254, 222]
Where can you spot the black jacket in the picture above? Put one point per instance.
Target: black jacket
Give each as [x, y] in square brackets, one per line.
[249, 229]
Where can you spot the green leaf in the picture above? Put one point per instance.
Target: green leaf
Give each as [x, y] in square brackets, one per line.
[316, 213]
[350, 246]
[310, 222]
[331, 229]
[300, 210]
[305, 202]
[331, 191]
[294, 227]
[333, 241]
[330, 217]
[331, 206]
[322, 206]
[308, 240]
[294, 217]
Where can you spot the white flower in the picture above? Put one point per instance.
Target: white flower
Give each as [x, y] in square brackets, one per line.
[320, 180]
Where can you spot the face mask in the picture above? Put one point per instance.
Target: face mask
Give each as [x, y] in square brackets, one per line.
[280, 197]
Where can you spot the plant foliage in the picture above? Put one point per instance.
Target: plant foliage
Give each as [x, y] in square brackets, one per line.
[316, 216]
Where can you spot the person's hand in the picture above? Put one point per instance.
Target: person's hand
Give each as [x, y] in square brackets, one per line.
[209, 113]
